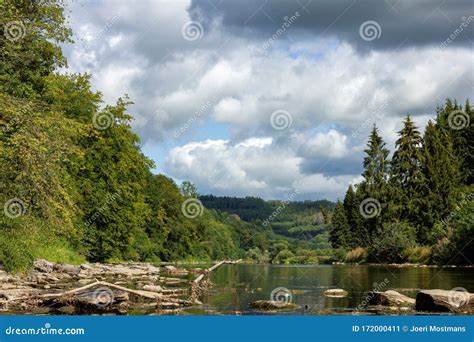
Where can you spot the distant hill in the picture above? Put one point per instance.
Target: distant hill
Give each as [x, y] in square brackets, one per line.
[301, 220]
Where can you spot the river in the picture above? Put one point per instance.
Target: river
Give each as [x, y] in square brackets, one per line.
[235, 286]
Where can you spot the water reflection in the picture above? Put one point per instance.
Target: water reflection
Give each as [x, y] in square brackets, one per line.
[238, 285]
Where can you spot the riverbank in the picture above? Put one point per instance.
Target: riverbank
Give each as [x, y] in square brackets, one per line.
[118, 288]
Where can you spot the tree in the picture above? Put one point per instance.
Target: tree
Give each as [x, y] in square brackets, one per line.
[376, 165]
[189, 190]
[442, 178]
[407, 174]
[374, 185]
[339, 233]
[358, 233]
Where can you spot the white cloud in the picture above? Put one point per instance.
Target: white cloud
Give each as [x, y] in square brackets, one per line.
[330, 88]
[255, 166]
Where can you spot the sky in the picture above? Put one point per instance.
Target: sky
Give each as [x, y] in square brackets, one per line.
[272, 98]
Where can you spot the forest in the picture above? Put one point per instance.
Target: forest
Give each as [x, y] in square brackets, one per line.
[76, 185]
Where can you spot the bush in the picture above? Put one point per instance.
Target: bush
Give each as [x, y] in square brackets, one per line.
[358, 254]
[283, 257]
[418, 254]
[390, 241]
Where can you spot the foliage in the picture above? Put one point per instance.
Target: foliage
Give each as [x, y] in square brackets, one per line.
[390, 242]
[356, 255]
[418, 254]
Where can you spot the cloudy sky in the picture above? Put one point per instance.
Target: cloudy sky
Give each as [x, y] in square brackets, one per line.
[272, 98]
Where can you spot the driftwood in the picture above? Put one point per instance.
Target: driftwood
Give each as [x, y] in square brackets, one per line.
[101, 287]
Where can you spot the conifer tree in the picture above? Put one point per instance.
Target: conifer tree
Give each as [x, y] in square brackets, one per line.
[339, 232]
[442, 178]
[358, 234]
[374, 185]
[406, 173]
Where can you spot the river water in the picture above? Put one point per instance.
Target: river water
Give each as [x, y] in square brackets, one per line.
[235, 286]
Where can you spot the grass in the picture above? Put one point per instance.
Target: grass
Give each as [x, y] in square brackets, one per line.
[22, 244]
[356, 255]
[418, 254]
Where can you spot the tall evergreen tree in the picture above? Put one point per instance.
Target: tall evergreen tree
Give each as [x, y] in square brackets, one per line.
[374, 185]
[442, 178]
[407, 173]
[376, 164]
[358, 234]
[339, 234]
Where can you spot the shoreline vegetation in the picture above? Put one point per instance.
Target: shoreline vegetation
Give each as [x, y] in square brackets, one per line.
[77, 188]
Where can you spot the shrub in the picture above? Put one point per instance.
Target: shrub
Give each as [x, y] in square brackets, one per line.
[390, 241]
[358, 254]
[418, 254]
[283, 257]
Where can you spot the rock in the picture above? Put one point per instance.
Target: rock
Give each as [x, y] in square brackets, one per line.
[67, 268]
[44, 266]
[4, 277]
[153, 288]
[17, 293]
[445, 301]
[335, 293]
[269, 305]
[389, 298]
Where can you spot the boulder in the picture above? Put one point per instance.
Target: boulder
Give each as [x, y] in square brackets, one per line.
[67, 268]
[335, 293]
[445, 301]
[389, 298]
[43, 266]
[269, 305]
